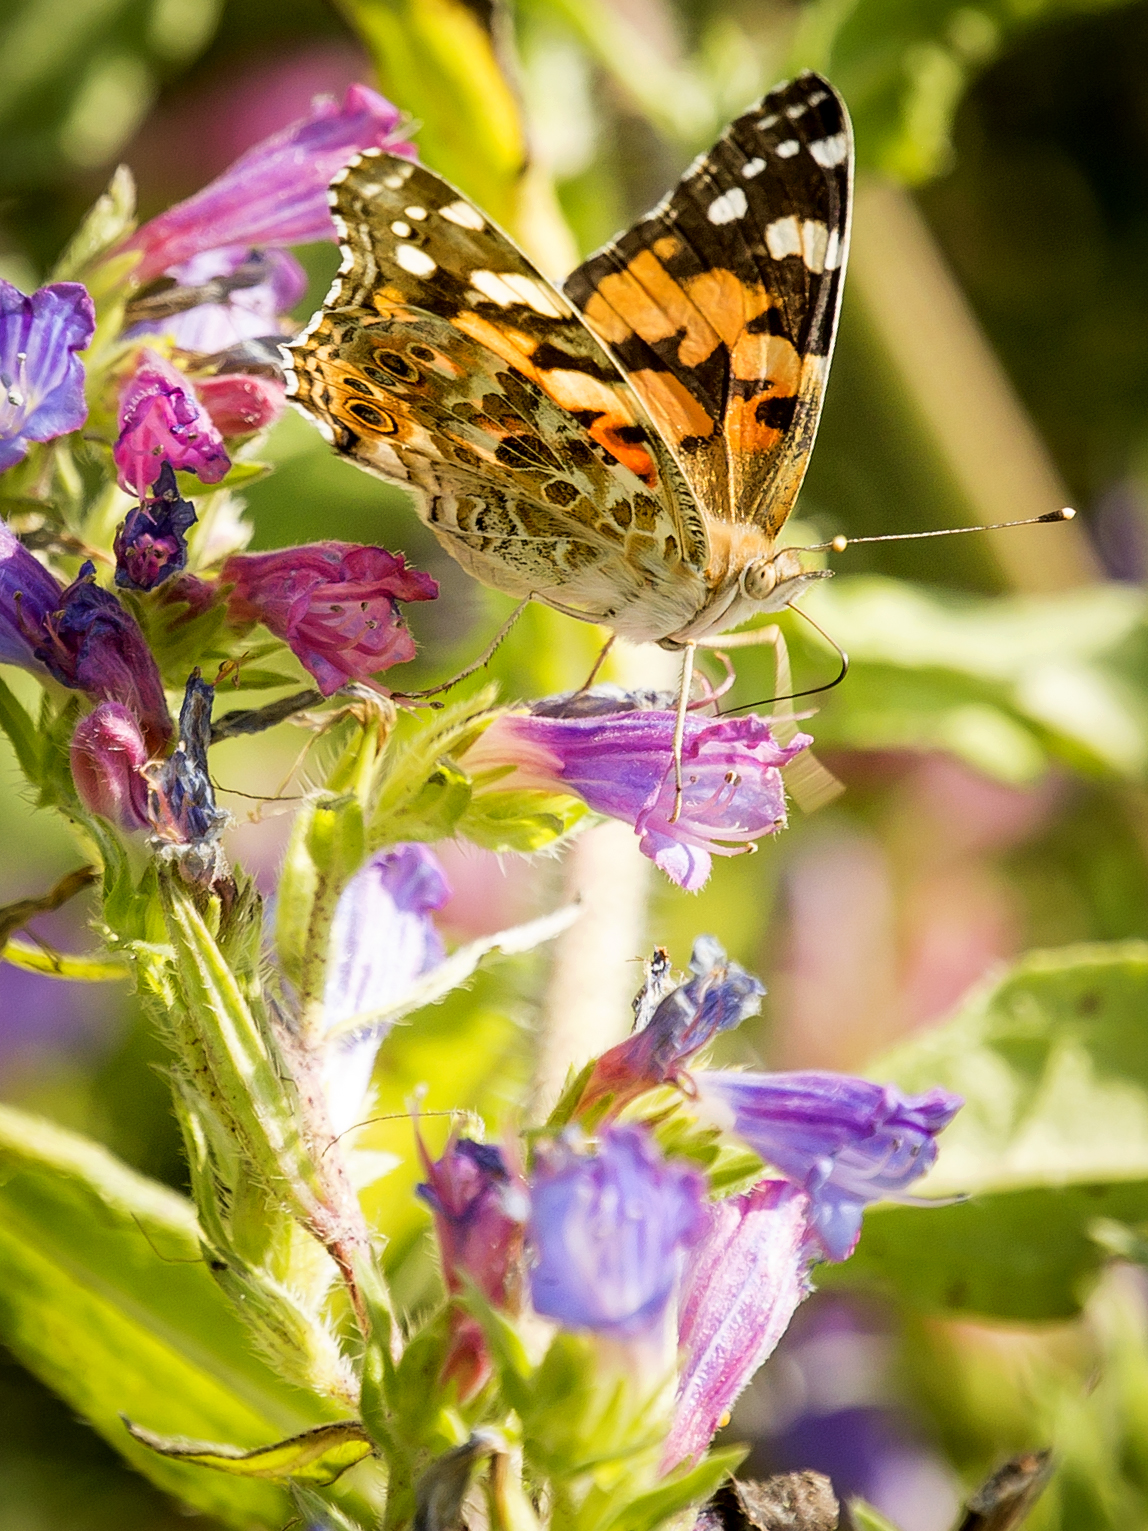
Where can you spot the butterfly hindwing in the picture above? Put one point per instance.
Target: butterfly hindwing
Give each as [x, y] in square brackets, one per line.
[721, 305]
[444, 360]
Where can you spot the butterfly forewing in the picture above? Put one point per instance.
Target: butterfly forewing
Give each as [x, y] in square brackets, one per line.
[445, 360]
[721, 305]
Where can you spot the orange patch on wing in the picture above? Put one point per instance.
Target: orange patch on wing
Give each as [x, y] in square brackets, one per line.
[770, 358]
[745, 431]
[655, 306]
[667, 247]
[726, 301]
[673, 407]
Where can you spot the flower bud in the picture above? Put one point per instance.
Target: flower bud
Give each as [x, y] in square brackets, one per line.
[108, 754]
[151, 545]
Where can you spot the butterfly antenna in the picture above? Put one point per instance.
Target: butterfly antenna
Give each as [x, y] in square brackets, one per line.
[483, 659]
[791, 696]
[840, 543]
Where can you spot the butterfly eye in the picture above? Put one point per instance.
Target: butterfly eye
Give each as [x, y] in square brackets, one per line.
[758, 579]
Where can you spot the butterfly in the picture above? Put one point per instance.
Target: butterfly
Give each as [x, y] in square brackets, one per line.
[626, 449]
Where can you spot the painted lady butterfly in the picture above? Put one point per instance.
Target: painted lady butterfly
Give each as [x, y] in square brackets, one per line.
[627, 450]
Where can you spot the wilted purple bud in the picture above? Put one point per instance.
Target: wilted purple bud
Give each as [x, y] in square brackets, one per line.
[382, 939]
[161, 420]
[108, 755]
[610, 1231]
[845, 1141]
[621, 764]
[479, 1213]
[334, 603]
[222, 298]
[41, 377]
[742, 1285]
[90, 643]
[719, 996]
[182, 803]
[151, 544]
[275, 193]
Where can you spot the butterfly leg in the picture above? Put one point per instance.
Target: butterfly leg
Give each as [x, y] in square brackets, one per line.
[483, 659]
[598, 663]
[680, 725]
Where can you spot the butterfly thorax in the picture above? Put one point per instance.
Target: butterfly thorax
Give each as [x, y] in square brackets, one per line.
[747, 575]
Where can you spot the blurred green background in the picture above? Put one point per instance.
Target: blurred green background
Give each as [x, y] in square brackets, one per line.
[993, 737]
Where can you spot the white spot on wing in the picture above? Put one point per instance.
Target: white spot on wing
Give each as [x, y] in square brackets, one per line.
[787, 149]
[403, 230]
[464, 215]
[508, 287]
[752, 167]
[417, 213]
[833, 251]
[814, 241]
[416, 261]
[769, 122]
[783, 237]
[396, 181]
[727, 208]
[829, 151]
[798, 109]
[816, 100]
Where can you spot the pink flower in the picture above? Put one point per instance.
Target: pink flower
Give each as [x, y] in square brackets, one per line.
[108, 755]
[334, 603]
[276, 193]
[240, 403]
[161, 420]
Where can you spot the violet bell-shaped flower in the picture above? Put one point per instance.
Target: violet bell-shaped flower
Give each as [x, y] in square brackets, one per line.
[620, 762]
[107, 756]
[742, 1285]
[81, 636]
[610, 1230]
[382, 939]
[161, 420]
[41, 375]
[718, 996]
[276, 192]
[847, 1142]
[335, 604]
[222, 298]
[480, 1211]
[151, 544]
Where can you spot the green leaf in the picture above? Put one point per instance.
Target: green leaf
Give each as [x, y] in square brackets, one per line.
[105, 1296]
[326, 848]
[1052, 1060]
[654, 1509]
[22, 734]
[318, 1455]
[522, 821]
[111, 218]
[866, 1518]
[53, 964]
[440, 60]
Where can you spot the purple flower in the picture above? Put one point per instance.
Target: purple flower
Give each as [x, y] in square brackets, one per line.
[151, 545]
[719, 996]
[240, 403]
[161, 420]
[28, 596]
[479, 1213]
[275, 193]
[108, 754]
[742, 1285]
[610, 1231]
[621, 764]
[223, 297]
[382, 939]
[81, 636]
[845, 1141]
[41, 376]
[334, 603]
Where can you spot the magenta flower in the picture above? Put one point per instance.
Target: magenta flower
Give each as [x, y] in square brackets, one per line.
[81, 636]
[161, 420]
[382, 939]
[479, 1212]
[719, 996]
[151, 544]
[742, 1285]
[610, 1231]
[334, 603]
[241, 403]
[276, 193]
[621, 764]
[108, 754]
[41, 376]
[229, 296]
[845, 1141]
